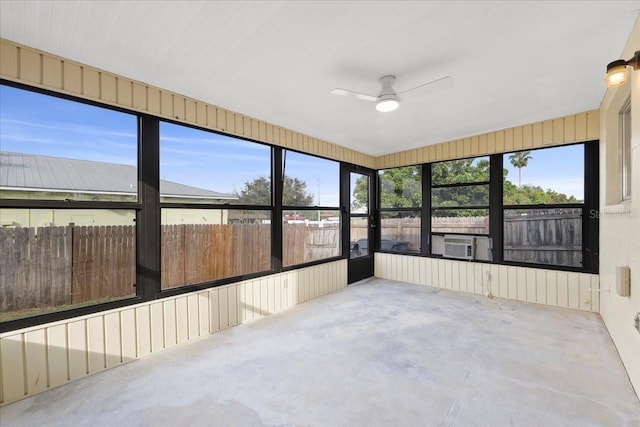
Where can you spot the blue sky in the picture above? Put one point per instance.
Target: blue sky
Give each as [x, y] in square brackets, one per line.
[37, 124]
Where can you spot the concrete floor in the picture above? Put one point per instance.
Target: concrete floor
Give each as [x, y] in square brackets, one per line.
[379, 353]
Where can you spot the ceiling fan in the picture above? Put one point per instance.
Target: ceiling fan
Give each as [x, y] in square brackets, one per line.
[388, 99]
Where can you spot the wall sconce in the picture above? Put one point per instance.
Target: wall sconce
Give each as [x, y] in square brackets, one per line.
[617, 73]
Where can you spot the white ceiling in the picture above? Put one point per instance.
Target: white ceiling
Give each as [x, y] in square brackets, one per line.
[512, 62]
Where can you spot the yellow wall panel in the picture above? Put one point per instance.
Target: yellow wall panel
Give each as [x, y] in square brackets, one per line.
[593, 125]
[179, 112]
[182, 319]
[466, 147]
[157, 326]
[581, 127]
[139, 97]
[221, 119]
[95, 344]
[214, 311]
[255, 129]
[170, 332]
[537, 134]
[223, 307]
[193, 316]
[491, 143]
[190, 113]
[508, 140]
[232, 295]
[153, 100]
[13, 369]
[52, 72]
[143, 331]
[77, 349]
[573, 291]
[521, 281]
[552, 288]
[517, 138]
[569, 129]
[8, 59]
[166, 104]
[512, 280]
[541, 286]
[483, 144]
[446, 147]
[500, 142]
[203, 313]
[562, 287]
[504, 281]
[113, 347]
[547, 132]
[585, 291]
[212, 117]
[36, 361]
[558, 131]
[201, 113]
[57, 355]
[125, 93]
[108, 88]
[527, 136]
[595, 295]
[128, 333]
[29, 64]
[72, 77]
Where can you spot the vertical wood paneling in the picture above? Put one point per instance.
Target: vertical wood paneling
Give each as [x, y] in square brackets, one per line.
[125, 93]
[595, 296]
[581, 126]
[57, 355]
[512, 279]
[29, 66]
[212, 117]
[585, 293]
[153, 100]
[13, 369]
[517, 138]
[551, 288]
[478, 279]
[108, 89]
[178, 107]
[139, 97]
[500, 142]
[170, 333]
[193, 314]
[569, 129]
[112, 339]
[541, 287]
[143, 330]
[521, 280]
[504, 281]
[128, 333]
[52, 72]
[593, 124]
[232, 295]
[223, 307]
[72, 77]
[190, 114]
[204, 322]
[527, 136]
[264, 298]
[8, 59]
[157, 326]
[182, 319]
[201, 113]
[77, 353]
[508, 140]
[166, 104]
[214, 311]
[36, 361]
[558, 131]
[95, 344]
[547, 132]
[573, 291]
[531, 285]
[562, 288]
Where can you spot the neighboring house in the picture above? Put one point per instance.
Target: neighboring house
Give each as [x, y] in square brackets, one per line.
[28, 176]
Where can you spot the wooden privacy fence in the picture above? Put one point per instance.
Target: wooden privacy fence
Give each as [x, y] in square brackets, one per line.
[55, 266]
[549, 236]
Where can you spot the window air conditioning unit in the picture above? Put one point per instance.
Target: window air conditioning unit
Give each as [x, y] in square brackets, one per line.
[461, 247]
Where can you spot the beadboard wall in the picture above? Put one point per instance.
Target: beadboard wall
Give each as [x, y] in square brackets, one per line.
[35, 359]
[565, 289]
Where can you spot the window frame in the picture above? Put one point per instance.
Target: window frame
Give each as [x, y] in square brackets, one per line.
[626, 164]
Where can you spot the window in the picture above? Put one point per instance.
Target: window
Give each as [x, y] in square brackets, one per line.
[543, 208]
[68, 203]
[625, 149]
[400, 209]
[200, 241]
[55, 149]
[460, 196]
[311, 208]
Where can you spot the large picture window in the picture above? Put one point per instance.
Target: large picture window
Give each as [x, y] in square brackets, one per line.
[400, 209]
[311, 208]
[200, 241]
[543, 194]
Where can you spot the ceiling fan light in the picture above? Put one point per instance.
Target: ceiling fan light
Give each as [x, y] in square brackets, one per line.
[387, 104]
[617, 74]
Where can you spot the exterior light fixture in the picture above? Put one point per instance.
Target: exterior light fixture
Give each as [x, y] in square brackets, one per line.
[387, 103]
[617, 72]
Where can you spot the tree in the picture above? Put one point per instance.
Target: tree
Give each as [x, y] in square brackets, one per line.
[258, 192]
[520, 160]
[399, 188]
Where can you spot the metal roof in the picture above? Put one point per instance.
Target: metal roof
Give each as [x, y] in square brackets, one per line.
[29, 172]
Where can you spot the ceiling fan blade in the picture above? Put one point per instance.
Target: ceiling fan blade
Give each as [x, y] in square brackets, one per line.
[438, 84]
[358, 95]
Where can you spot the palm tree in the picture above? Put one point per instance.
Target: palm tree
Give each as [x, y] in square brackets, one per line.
[520, 160]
